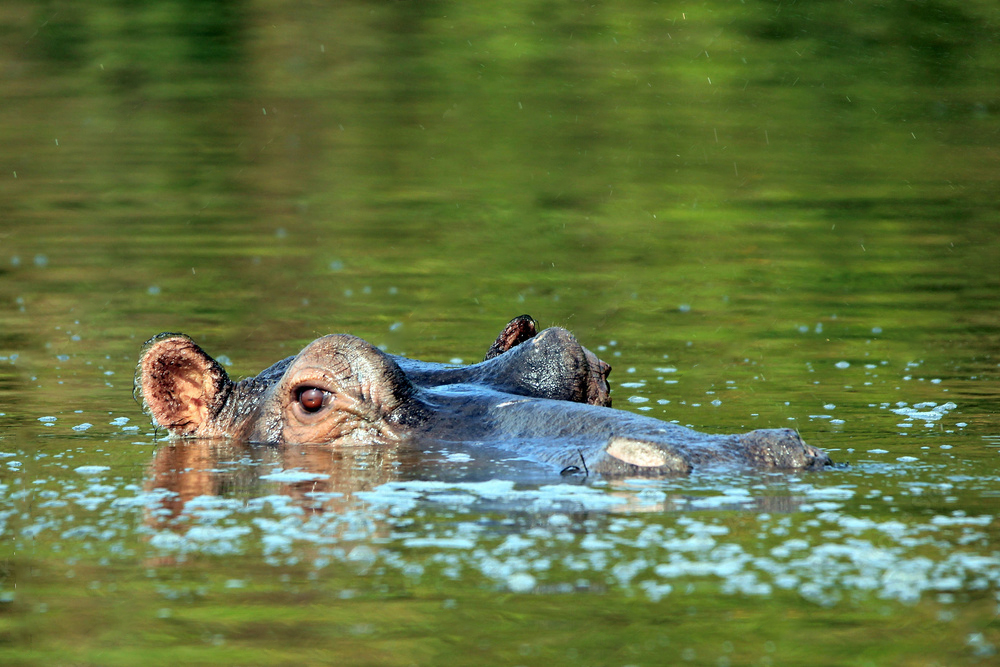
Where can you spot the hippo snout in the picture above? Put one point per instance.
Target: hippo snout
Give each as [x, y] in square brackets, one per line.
[781, 448]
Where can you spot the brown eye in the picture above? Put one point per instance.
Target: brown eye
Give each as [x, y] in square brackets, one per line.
[311, 399]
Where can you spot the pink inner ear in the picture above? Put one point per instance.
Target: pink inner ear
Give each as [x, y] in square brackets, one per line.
[179, 383]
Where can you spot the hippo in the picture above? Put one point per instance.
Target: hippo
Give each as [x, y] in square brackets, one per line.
[537, 395]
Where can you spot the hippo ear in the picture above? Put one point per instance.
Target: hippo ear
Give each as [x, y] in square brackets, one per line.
[181, 386]
[517, 331]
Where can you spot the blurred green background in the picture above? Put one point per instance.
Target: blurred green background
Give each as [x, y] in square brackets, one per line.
[246, 170]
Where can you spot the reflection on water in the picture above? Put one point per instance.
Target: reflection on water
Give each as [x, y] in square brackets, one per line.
[337, 479]
[765, 215]
[315, 478]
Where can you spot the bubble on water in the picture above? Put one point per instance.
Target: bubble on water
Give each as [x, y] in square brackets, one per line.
[907, 459]
[827, 493]
[461, 543]
[82, 427]
[521, 582]
[292, 476]
[456, 360]
[637, 399]
[91, 470]
[119, 421]
[655, 591]
[980, 646]
[47, 420]
[927, 411]
[842, 364]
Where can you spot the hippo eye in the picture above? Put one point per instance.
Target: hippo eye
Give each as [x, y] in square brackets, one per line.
[311, 399]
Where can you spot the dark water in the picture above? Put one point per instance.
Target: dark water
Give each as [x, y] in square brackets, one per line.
[762, 214]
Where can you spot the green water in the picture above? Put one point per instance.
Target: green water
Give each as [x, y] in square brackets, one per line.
[761, 214]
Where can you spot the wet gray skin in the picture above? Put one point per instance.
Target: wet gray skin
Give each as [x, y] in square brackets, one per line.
[541, 396]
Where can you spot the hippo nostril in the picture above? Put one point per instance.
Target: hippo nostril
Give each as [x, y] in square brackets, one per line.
[311, 399]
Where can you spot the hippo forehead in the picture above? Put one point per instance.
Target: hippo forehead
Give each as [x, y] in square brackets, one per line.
[551, 364]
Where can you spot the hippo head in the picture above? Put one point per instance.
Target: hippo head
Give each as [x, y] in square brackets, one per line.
[340, 388]
[540, 395]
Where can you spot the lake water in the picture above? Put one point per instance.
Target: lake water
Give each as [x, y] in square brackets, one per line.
[761, 214]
